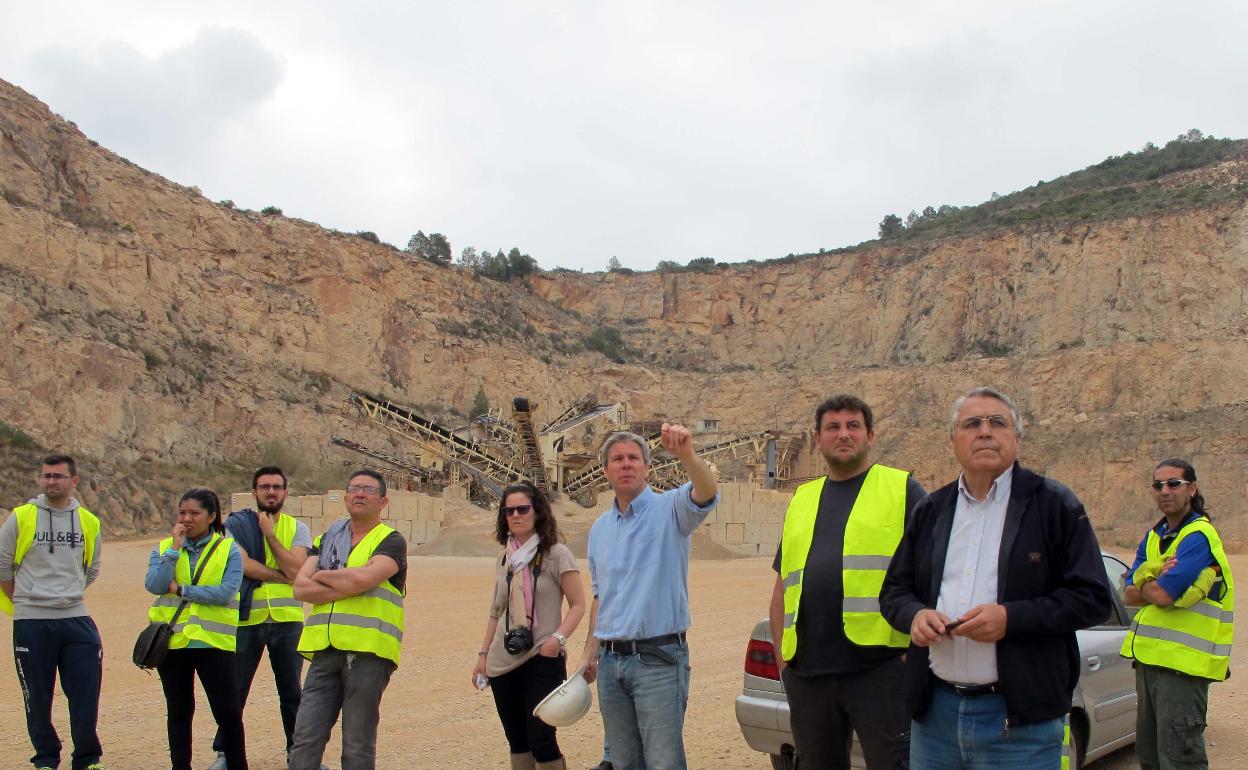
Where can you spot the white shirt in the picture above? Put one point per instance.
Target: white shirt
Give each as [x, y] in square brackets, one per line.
[970, 579]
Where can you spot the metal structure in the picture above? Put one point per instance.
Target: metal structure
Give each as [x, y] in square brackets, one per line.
[561, 457]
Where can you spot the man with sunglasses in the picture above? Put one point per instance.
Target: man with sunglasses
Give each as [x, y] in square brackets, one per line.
[994, 575]
[1181, 637]
[355, 579]
[274, 546]
[49, 554]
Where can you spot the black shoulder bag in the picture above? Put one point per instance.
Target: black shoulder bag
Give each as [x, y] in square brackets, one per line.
[153, 642]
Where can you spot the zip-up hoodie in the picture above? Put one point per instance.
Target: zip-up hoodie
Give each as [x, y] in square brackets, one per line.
[50, 581]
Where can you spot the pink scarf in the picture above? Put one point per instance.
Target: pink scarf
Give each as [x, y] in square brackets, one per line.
[518, 558]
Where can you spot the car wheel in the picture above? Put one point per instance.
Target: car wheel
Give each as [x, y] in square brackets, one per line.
[785, 761]
[1078, 743]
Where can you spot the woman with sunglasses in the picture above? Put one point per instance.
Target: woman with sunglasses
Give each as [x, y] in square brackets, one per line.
[198, 565]
[522, 655]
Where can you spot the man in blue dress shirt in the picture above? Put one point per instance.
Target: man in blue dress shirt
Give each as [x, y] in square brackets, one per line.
[639, 567]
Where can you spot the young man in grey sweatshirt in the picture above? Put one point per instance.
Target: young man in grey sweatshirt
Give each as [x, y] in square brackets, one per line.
[49, 554]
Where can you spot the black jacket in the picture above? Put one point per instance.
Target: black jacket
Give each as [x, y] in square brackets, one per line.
[1050, 578]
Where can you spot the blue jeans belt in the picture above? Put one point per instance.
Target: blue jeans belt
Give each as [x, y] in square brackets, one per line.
[636, 646]
[969, 690]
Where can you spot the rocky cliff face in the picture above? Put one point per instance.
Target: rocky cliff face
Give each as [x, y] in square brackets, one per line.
[149, 327]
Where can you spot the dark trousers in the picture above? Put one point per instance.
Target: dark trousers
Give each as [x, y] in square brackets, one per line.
[825, 712]
[282, 642]
[347, 682]
[71, 646]
[1170, 719]
[517, 693]
[215, 669]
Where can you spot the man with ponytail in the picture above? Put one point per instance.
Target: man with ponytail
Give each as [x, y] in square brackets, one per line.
[1181, 637]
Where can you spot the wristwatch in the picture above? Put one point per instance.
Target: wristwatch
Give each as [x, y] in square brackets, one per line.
[563, 640]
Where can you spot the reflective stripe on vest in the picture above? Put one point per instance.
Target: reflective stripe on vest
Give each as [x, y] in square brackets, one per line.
[368, 622]
[213, 624]
[27, 520]
[1195, 640]
[1065, 763]
[872, 532]
[276, 600]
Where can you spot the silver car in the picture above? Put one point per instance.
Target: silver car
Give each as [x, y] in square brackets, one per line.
[1102, 712]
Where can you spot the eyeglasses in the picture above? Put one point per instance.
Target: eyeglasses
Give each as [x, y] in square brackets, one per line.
[368, 490]
[270, 487]
[516, 510]
[53, 476]
[1172, 483]
[995, 422]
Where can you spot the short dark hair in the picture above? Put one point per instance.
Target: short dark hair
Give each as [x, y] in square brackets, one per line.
[1189, 474]
[62, 459]
[268, 470]
[372, 474]
[207, 498]
[544, 524]
[845, 403]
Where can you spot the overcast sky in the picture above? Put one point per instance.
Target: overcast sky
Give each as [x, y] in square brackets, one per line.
[581, 130]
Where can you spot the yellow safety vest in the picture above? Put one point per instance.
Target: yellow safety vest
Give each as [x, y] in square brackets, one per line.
[369, 622]
[26, 520]
[276, 600]
[876, 523]
[214, 624]
[1194, 640]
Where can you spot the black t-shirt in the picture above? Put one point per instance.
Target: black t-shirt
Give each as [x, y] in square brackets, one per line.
[393, 546]
[822, 647]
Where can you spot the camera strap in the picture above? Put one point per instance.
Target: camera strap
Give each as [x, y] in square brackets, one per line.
[530, 613]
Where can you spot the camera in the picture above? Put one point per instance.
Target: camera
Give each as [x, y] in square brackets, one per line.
[518, 640]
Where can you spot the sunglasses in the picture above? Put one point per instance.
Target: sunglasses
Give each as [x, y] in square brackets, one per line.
[515, 510]
[1172, 483]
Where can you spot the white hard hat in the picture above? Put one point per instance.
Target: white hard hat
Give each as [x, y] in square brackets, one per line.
[566, 703]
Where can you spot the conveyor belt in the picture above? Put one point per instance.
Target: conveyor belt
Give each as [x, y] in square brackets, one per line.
[522, 418]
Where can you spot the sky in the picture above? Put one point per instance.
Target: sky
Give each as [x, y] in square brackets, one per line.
[580, 131]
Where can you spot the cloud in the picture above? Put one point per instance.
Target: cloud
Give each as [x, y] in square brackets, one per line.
[165, 108]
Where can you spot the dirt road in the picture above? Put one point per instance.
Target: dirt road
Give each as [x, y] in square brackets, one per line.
[432, 718]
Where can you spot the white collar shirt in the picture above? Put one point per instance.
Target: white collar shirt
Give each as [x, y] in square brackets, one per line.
[970, 579]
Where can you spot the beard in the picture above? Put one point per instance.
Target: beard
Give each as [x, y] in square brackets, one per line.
[270, 509]
[841, 467]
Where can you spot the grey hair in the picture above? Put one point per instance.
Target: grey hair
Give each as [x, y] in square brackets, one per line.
[623, 435]
[986, 392]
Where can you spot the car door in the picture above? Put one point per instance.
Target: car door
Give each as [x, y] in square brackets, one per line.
[1107, 681]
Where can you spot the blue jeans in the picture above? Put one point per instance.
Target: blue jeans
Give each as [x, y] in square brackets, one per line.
[970, 733]
[348, 682]
[643, 700]
[70, 646]
[282, 641]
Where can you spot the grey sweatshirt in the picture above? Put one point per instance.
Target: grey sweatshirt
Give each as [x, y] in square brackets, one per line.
[50, 581]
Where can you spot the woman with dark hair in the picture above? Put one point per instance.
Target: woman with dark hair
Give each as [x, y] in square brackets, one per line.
[199, 566]
[523, 656]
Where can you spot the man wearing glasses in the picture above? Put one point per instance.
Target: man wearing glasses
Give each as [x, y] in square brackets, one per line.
[355, 579]
[49, 554]
[1181, 637]
[992, 578]
[274, 547]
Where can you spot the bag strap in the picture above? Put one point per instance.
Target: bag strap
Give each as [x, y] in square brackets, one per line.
[199, 570]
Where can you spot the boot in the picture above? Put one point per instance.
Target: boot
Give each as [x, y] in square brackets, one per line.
[522, 761]
[554, 764]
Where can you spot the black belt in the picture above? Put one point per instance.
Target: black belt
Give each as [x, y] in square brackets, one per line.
[635, 646]
[970, 690]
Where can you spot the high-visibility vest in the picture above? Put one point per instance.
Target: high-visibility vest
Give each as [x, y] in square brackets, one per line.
[213, 624]
[369, 622]
[876, 523]
[27, 519]
[276, 600]
[1194, 640]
